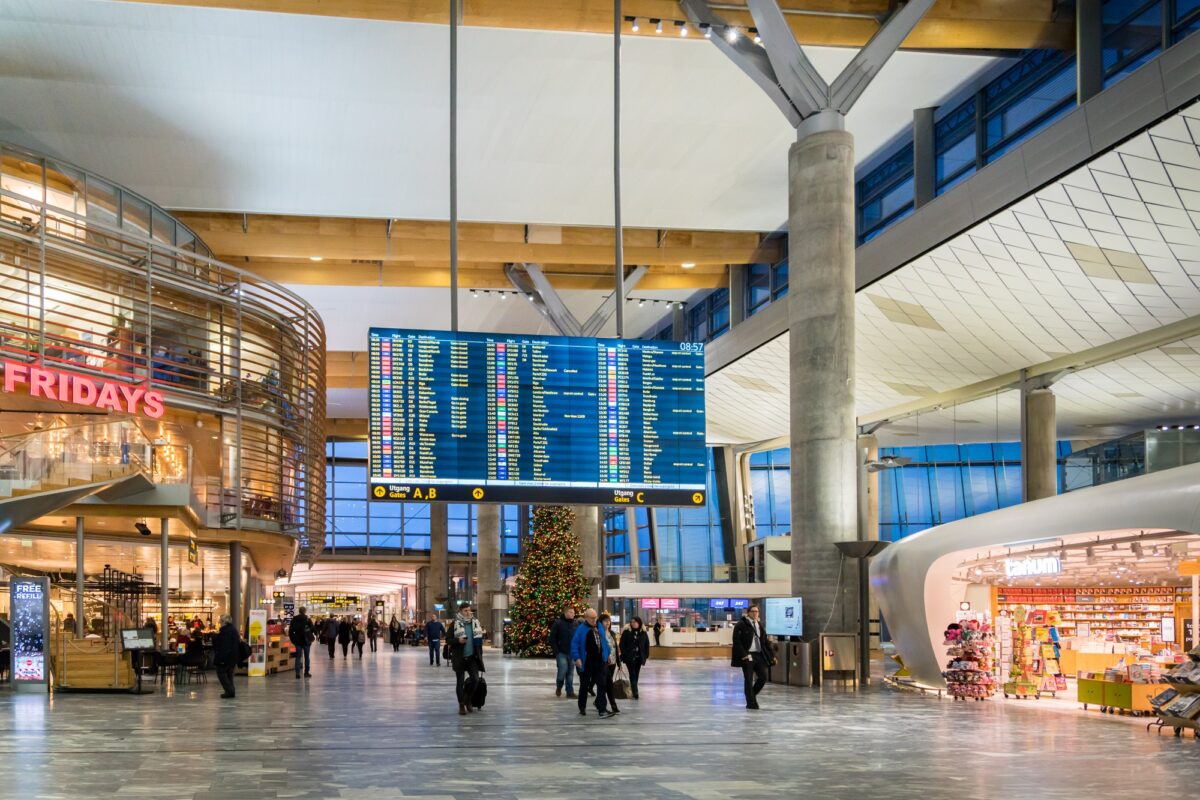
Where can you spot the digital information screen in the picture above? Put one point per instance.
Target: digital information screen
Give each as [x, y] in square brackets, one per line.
[475, 417]
[29, 601]
[785, 616]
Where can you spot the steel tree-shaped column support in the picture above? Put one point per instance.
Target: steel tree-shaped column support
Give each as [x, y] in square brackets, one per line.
[821, 294]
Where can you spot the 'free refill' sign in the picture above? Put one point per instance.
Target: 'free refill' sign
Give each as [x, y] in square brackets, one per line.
[68, 388]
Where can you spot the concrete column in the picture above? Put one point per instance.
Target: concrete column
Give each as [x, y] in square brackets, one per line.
[487, 531]
[437, 582]
[737, 294]
[679, 328]
[80, 580]
[924, 157]
[1039, 445]
[1089, 54]
[164, 578]
[725, 464]
[587, 528]
[235, 584]
[420, 598]
[821, 335]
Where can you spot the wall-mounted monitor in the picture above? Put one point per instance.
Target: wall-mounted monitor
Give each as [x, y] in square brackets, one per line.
[785, 616]
[473, 417]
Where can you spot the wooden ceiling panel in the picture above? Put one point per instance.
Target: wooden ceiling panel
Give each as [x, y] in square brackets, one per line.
[949, 25]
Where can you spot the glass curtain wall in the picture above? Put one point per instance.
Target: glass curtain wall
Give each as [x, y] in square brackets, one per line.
[354, 523]
[689, 539]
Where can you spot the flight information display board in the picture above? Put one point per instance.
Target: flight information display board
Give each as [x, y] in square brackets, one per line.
[476, 417]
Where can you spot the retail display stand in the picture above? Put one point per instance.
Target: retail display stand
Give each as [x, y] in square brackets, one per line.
[1178, 706]
[969, 671]
[1035, 657]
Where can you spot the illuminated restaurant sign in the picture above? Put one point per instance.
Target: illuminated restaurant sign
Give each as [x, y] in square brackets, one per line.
[82, 391]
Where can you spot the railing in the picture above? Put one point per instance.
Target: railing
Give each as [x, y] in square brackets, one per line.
[702, 573]
[56, 458]
[96, 292]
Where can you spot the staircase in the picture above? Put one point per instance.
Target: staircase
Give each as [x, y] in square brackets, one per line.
[42, 471]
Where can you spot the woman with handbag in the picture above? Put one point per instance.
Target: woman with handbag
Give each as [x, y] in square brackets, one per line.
[395, 633]
[614, 659]
[635, 651]
[359, 637]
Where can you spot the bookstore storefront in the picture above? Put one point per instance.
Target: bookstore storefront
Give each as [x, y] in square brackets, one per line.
[1052, 599]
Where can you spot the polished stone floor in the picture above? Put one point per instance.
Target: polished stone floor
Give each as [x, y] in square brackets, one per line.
[388, 727]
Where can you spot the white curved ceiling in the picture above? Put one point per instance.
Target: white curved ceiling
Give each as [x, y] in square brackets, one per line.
[276, 113]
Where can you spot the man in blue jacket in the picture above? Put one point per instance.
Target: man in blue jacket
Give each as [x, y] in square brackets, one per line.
[561, 634]
[434, 631]
[589, 651]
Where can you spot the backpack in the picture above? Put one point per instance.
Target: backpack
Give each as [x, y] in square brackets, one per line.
[479, 696]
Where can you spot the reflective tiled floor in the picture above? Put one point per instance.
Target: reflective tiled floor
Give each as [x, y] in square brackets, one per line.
[387, 727]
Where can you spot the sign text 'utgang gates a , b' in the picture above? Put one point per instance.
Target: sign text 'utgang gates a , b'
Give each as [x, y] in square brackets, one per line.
[66, 387]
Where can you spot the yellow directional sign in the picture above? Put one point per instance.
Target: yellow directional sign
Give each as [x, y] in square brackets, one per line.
[641, 497]
[477, 493]
[698, 498]
[379, 491]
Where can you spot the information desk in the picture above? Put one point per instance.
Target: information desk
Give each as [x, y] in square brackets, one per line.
[1074, 663]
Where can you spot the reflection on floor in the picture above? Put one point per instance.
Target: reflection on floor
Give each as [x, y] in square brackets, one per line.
[387, 727]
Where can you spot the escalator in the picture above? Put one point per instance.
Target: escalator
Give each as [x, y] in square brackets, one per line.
[42, 471]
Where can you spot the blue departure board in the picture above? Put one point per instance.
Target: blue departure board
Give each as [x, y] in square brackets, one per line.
[476, 417]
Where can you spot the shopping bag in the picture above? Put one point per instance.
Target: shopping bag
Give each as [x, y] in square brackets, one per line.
[620, 687]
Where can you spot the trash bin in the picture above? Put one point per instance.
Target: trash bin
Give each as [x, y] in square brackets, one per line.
[778, 672]
[799, 658]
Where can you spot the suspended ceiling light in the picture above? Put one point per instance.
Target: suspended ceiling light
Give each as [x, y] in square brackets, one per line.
[688, 265]
[707, 30]
[731, 33]
[757, 38]
[635, 25]
[315, 258]
[657, 25]
[682, 28]
[504, 295]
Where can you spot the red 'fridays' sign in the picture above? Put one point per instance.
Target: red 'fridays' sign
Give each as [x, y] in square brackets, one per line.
[68, 388]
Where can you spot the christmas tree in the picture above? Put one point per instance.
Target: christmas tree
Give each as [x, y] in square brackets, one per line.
[551, 578]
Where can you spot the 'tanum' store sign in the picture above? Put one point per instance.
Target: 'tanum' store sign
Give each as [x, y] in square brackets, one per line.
[68, 388]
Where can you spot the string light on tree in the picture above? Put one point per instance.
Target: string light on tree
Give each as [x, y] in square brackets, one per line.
[551, 578]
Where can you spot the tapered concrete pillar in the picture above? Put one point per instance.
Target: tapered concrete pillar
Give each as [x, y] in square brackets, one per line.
[1039, 445]
[868, 510]
[437, 581]
[587, 528]
[235, 585]
[487, 533]
[81, 579]
[164, 554]
[821, 335]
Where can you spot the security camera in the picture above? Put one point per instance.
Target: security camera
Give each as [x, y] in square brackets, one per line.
[142, 528]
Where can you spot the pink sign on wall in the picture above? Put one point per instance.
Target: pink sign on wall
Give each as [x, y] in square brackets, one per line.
[669, 602]
[649, 602]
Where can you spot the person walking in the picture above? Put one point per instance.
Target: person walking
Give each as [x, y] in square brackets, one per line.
[373, 631]
[589, 651]
[395, 633]
[301, 635]
[434, 631]
[343, 635]
[561, 633]
[225, 654]
[358, 637]
[329, 633]
[466, 656]
[610, 663]
[635, 651]
[753, 653]
[658, 629]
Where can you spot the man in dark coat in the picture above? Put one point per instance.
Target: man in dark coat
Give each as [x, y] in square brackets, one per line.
[343, 636]
[329, 632]
[561, 633]
[589, 651]
[434, 631]
[225, 653]
[301, 634]
[753, 653]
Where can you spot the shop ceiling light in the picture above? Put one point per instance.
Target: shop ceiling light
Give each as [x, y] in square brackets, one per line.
[316, 258]
[688, 265]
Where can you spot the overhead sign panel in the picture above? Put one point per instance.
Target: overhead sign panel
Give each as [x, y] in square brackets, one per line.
[471, 417]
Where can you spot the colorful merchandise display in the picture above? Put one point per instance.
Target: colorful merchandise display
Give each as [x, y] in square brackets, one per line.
[1035, 666]
[969, 671]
